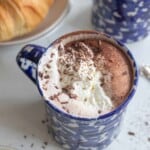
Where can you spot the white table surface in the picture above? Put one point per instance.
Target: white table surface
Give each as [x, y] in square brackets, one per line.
[22, 109]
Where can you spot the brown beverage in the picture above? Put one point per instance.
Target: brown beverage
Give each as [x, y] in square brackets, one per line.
[86, 77]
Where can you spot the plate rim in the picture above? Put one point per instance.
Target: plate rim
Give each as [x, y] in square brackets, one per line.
[45, 31]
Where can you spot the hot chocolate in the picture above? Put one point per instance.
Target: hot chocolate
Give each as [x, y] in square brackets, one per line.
[85, 77]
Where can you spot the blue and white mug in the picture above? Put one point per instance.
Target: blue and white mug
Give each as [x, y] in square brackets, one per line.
[78, 133]
[125, 20]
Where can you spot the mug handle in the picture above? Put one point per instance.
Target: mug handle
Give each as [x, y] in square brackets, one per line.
[28, 58]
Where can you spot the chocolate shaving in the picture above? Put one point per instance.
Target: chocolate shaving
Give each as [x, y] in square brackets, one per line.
[61, 47]
[52, 98]
[52, 54]
[87, 49]
[46, 81]
[40, 74]
[70, 49]
[65, 89]
[59, 93]
[48, 66]
[102, 84]
[146, 123]
[89, 77]
[55, 96]
[75, 68]
[72, 96]
[64, 108]
[46, 77]
[45, 88]
[110, 60]
[67, 65]
[64, 102]
[85, 99]
[56, 87]
[32, 145]
[59, 71]
[65, 72]
[124, 73]
[25, 136]
[50, 61]
[99, 111]
[131, 133]
[61, 61]
[95, 49]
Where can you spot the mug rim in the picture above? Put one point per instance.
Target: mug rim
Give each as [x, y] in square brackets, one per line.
[116, 109]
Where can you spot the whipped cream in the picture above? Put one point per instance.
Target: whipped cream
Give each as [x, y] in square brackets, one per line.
[72, 82]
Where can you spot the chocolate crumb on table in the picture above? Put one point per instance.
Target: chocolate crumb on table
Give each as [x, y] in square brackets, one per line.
[131, 133]
[43, 121]
[45, 143]
[32, 145]
[25, 136]
[146, 123]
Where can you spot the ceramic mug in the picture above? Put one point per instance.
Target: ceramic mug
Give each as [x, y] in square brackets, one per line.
[125, 20]
[77, 133]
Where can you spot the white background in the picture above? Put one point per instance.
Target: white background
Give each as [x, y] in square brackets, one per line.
[22, 109]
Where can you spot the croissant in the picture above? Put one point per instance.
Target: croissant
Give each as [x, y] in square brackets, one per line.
[19, 17]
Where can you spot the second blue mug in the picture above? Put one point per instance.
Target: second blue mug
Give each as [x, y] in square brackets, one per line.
[126, 20]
